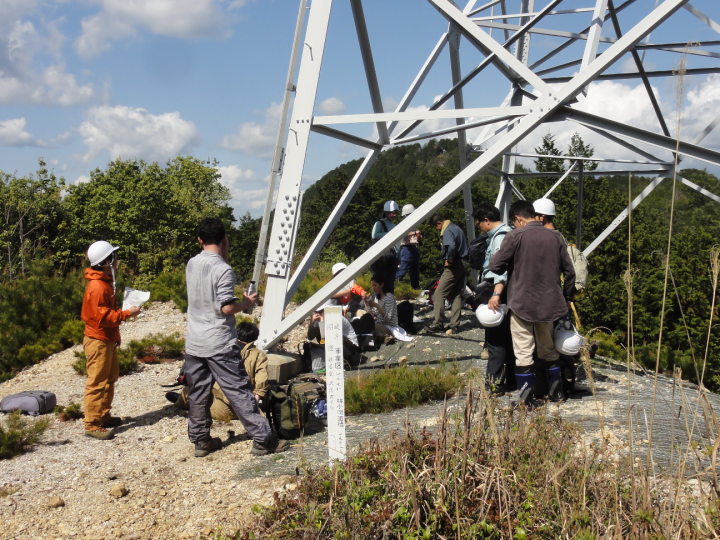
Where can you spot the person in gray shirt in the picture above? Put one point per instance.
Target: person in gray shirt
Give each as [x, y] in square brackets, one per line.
[212, 353]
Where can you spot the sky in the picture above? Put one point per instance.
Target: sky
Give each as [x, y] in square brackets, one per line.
[83, 82]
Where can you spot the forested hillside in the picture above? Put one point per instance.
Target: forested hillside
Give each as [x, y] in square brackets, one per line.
[151, 211]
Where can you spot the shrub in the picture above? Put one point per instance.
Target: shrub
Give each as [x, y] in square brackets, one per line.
[19, 434]
[404, 291]
[391, 389]
[155, 348]
[170, 286]
[487, 473]
[71, 412]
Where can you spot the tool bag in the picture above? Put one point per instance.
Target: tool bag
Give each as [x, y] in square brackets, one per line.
[288, 411]
[32, 402]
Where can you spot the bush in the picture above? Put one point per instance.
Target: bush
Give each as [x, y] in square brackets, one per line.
[19, 434]
[486, 474]
[170, 286]
[71, 412]
[126, 359]
[155, 348]
[404, 291]
[391, 389]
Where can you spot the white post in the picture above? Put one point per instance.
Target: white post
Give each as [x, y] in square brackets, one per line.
[335, 373]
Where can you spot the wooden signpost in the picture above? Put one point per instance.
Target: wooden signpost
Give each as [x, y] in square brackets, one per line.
[335, 383]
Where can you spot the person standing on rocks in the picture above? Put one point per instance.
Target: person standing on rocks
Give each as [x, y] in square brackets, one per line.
[387, 265]
[410, 252]
[212, 352]
[102, 339]
[498, 339]
[452, 280]
[535, 257]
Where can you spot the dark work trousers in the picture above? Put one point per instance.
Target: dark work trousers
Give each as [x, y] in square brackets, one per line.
[451, 283]
[410, 264]
[386, 273]
[501, 359]
[228, 370]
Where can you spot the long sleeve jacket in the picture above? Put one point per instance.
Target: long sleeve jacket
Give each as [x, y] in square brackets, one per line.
[454, 243]
[101, 316]
[535, 257]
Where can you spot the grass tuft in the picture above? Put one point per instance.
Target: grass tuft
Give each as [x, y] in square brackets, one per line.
[18, 434]
[390, 389]
[71, 412]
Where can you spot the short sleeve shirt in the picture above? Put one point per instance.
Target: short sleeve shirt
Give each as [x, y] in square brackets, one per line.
[210, 286]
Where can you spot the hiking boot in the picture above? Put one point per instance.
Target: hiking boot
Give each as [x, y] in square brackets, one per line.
[101, 434]
[112, 421]
[202, 449]
[172, 397]
[274, 446]
[435, 327]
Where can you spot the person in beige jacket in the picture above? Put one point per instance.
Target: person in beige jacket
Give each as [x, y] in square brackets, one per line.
[255, 362]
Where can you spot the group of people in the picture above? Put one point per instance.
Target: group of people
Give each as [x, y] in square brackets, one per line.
[216, 362]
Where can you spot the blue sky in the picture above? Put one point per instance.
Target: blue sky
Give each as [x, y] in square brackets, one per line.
[85, 81]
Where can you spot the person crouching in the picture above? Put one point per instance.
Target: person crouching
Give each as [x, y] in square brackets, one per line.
[102, 339]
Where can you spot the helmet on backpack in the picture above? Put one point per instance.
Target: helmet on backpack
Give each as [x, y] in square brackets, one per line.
[489, 318]
[566, 341]
[545, 207]
[100, 251]
[391, 206]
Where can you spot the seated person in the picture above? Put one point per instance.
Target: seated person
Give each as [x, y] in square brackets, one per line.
[255, 365]
[350, 296]
[316, 331]
[383, 308]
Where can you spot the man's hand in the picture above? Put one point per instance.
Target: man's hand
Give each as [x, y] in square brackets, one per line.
[494, 303]
[315, 318]
[257, 398]
[248, 302]
[134, 310]
[448, 262]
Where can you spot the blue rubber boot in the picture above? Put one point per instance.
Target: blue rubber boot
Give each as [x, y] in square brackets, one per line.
[525, 384]
[555, 383]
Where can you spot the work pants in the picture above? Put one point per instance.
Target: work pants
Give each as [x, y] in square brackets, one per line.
[410, 264]
[529, 337]
[451, 283]
[228, 370]
[103, 372]
[501, 359]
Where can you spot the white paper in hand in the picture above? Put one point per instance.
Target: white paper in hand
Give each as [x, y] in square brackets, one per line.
[134, 298]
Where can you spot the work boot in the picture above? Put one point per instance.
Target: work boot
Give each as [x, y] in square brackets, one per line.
[172, 397]
[203, 448]
[101, 434]
[435, 328]
[525, 384]
[112, 421]
[554, 378]
[273, 446]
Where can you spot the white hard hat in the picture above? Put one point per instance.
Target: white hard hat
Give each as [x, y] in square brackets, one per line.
[390, 206]
[567, 341]
[100, 251]
[489, 318]
[337, 267]
[545, 207]
[407, 210]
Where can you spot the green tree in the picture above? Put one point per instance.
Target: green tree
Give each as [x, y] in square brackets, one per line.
[578, 148]
[149, 210]
[548, 148]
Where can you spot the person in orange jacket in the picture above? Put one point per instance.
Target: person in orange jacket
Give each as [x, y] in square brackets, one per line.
[102, 339]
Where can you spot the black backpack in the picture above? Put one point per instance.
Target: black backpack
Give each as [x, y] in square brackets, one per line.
[476, 251]
[405, 315]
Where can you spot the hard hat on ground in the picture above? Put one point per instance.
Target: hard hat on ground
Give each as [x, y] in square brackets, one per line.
[390, 206]
[489, 318]
[566, 341]
[545, 207]
[407, 210]
[100, 251]
[338, 267]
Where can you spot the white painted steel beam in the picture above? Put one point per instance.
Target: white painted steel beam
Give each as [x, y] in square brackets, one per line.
[419, 115]
[593, 39]
[346, 137]
[563, 177]
[279, 139]
[518, 15]
[546, 107]
[612, 172]
[452, 129]
[635, 75]
[578, 158]
[704, 18]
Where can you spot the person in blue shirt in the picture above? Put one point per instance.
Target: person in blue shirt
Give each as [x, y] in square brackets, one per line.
[386, 266]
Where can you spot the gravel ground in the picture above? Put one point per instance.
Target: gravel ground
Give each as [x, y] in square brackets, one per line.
[174, 495]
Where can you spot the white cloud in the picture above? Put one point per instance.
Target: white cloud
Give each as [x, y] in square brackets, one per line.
[332, 105]
[21, 43]
[12, 133]
[128, 132]
[118, 19]
[81, 180]
[232, 174]
[253, 139]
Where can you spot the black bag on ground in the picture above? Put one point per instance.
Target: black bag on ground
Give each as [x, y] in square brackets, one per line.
[32, 402]
[405, 315]
[476, 252]
[288, 410]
